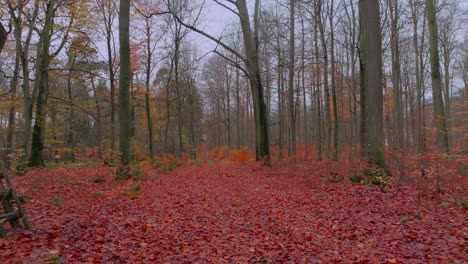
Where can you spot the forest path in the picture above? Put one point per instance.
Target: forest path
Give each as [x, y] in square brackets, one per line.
[230, 213]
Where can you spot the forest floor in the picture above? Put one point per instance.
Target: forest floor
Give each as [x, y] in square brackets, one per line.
[231, 213]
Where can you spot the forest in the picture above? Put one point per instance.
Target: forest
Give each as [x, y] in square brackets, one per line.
[233, 131]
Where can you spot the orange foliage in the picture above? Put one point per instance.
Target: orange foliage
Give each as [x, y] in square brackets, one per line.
[240, 156]
[218, 153]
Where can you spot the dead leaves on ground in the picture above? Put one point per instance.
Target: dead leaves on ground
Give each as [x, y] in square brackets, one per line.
[230, 214]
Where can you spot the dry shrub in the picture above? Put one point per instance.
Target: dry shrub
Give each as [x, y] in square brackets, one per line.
[240, 156]
[146, 165]
[168, 162]
[218, 153]
[140, 156]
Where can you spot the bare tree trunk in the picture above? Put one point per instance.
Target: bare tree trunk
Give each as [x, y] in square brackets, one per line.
[168, 107]
[147, 90]
[279, 94]
[321, 25]
[124, 82]
[177, 86]
[370, 51]
[396, 76]
[333, 82]
[228, 106]
[262, 148]
[238, 105]
[304, 93]
[41, 85]
[28, 98]
[71, 110]
[108, 23]
[98, 119]
[292, 113]
[439, 110]
[318, 95]
[14, 88]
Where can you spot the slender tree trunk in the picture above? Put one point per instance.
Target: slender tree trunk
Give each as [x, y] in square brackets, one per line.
[238, 104]
[110, 63]
[71, 110]
[168, 107]
[279, 94]
[333, 83]
[177, 86]
[124, 82]
[147, 91]
[292, 113]
[439, 110]
[23, 50]
[417, 68]
[318, 96]
[396, 76]
[446, 91]
[228, 107]
[12, 110]
[325, 78]
[98, 119]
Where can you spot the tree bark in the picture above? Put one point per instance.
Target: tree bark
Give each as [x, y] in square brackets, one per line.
[326, 88]
[124, 82]
[370, 51]
[262, 148]
[439, 110]
[292, 113]
[333, 84]
[14, 88]
[396, 76]
[41, 85]
[149, 123]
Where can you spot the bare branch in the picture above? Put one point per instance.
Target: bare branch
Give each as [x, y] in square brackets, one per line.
[232, 62]
[218, 41]
[151, 14]
[227, 7]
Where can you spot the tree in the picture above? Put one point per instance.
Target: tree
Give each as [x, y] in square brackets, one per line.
[396, 74]
[106, 11]
[333, 82]
[14, 88]
[252, 64]
[144, 9]
[124, 82]
[439, 109]
[41, 85]
[292, 112]
[320, 20]
[16, 14]
[419, 72]
[370, 56]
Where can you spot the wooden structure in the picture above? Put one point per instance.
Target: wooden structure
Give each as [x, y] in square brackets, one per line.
[11, 204]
